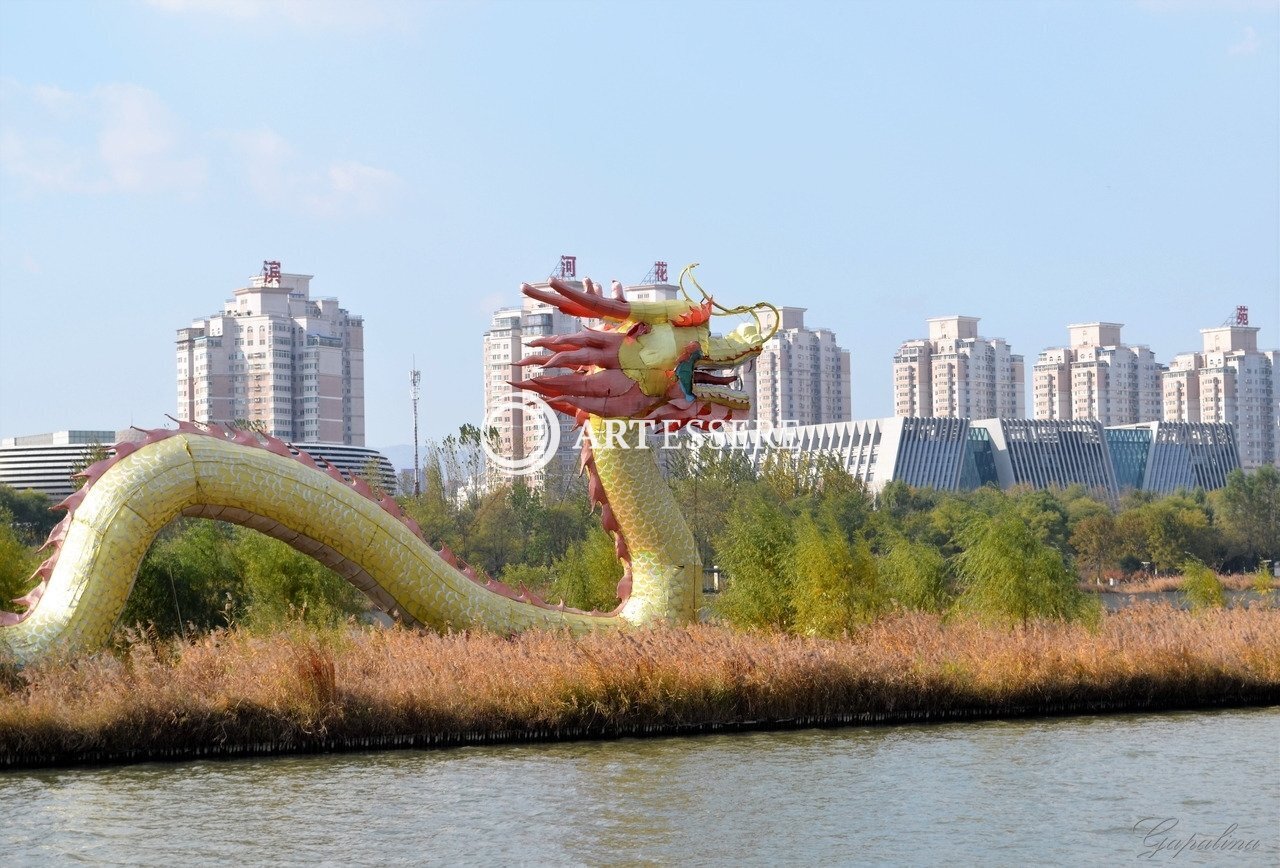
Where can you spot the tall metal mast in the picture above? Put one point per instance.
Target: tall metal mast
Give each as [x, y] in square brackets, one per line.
[415, 377]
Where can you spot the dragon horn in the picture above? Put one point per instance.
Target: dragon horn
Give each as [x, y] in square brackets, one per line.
[598, 305]
[556, 301]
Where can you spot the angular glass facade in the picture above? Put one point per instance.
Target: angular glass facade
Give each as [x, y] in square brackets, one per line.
[1129, 450]
[979, 461]
[949, 454]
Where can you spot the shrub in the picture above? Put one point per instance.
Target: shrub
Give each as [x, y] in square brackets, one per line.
[1202, 586]
[1262, 580]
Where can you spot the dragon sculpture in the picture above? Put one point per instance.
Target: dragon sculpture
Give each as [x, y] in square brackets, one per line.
[641, 364]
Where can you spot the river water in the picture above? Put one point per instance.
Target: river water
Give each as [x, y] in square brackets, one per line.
[1060, 791]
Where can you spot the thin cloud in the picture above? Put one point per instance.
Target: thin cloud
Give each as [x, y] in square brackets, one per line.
[121, 138]
[1249, 44]
[1164, 6]
[115, 138]
[314, 14]
[280, 177]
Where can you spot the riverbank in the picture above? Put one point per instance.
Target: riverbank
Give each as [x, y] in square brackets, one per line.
[234, 693]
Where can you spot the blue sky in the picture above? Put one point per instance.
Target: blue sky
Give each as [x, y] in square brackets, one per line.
[1034, 164]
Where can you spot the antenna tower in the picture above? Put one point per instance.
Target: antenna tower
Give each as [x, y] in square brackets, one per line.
[415, 377]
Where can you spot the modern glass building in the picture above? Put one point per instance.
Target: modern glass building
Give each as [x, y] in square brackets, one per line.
[1166, 456]
[952, 454]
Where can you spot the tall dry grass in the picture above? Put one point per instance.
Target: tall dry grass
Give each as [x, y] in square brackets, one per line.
[299, 689]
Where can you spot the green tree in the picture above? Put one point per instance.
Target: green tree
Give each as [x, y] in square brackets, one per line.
[837, 585]
[1096, 541]
[707, 484]
[915, 576]
[587, 576]
[17, 562]
[281, 583]
[495, 539]
[30, 517]
[95, 453]
[1007, 573]
[371, 473]
[1251, 512]
[189, 576]
[1044, 513]
[1165, 531]
[755, 550]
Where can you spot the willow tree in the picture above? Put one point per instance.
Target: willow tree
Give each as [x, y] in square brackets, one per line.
[755, 549]
[837, 583]
[1008, 574]
[915, 576]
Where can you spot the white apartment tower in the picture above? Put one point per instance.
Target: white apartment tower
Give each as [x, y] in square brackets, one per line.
[277, 358]
[1229, 381]
[801, 376]
[956, 373]
[507, 342]
[1097, 377]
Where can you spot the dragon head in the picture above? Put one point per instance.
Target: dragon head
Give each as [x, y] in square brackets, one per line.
[648, 360]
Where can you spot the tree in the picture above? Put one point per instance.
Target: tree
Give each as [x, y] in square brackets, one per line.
[95, 453]
[836, 584]
[189, 576]
[587, 576]
[281, 583]
[1251, 513]
[915, 576]
[29, 514]
[17, 562]
[495, 539]
[1046, 515]
[371, 472]
[1167, 530]
[755, 549]
[1096, 541]
[1009, 574]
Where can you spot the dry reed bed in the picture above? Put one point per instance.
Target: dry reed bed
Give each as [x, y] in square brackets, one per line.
[234, 692]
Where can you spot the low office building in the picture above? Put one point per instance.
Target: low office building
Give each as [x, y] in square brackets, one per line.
[951, 454]
[1166, 456]
[46, 462]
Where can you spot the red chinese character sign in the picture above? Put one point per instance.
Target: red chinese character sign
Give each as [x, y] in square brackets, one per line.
[271, 271]
[1242, 315]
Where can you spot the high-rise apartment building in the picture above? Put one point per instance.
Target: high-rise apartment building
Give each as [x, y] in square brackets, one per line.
[506, 343]
[1097, 377]
[276, 358]
[956, 373]
[1229, 381]
[801, 375]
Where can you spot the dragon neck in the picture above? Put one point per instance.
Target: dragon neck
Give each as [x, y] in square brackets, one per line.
[663, 580]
